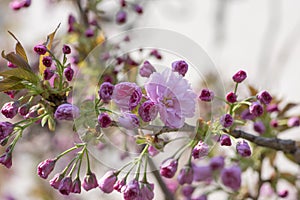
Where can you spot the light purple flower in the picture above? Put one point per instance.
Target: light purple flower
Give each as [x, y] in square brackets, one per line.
[256, 109]
[264, 97]
[202, 173]
[200, 150]
[10, 109]
[127, 95]
[107, 182]
[243, 148]
[246, 115]
[90, 182]
[132, 191]
[169, 168]
[147, 191]
[147, 69]
[67, 112]
[6, 128]
[65, 186]
[185, 175]
[226, 120]
[293, 121]
[231, 177]
[259, 127]
[180, 66]
[129, 121]
[105, 92]
[46, 167]
[217, 163]
[148, 111]
[173, 95]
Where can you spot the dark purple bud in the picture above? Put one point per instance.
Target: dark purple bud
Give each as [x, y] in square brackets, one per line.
[67, 112]
[200, 150]
[187, 191]
[264, 97]
[283, 193]
[45, 168]
[71, 20]
[206, 95]
[76, 187]
[156, 54]
[123, 3]
[231, 177]
[132, 191]
[65, 186]
[226, 120]
[180, 66]
[202, 173]
[225, 140]
[240, 76]
[105, 92]
[148, 111]
[89, 32]
[47, 61]
[243, 148]
[138, 9]
[69, 73]
[10, 109]
[66, 49]
[90, 182]
[147, 69]
[231, 97]
[6, 128]
[27, 3]
[185, 175]
[169, 168]
[11, 65]
[6, 159]
[293, 121]
[119, 185]
[48, 74]
[256, 109]
[56, 180]
[107, 182]
[129, 121]
[217, 163]
[272, 108]
[40, 49]
[24, 109]
[259, 127]
[121, 17]
[104, 120]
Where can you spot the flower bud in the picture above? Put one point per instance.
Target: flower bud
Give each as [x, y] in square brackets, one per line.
[283, 193]
[225, 140]
[132, 191]
[24, 109]
[10, 109]
[147, 69]
[16, 5]
[231, 177]
[187, 191]
[256, 109]
[200, 150]
[121, 17]
[293, 121]
[274, 123]
[138, 9]
[148, 111]
[217, 163]
[156, 54]
[56, 180]
[226, 120]
[11, 65]
[107, 182]
[40, 49]
[104, 120]
[243, 148]
[69, 73]
[231, 97]
[272, 108]
[65, 186]
[206, 95]
[152, 151]
[27, 3]
[47, 61]
[180, 66]
[90, 182]
[105, 92]
[185, 175]
[66, 49]
[240, 76]
[119, 185]
[169, 168]
[89, 33]
[246, 115]
[201, 197]
[6, 128]
[259, 127]
[6, 159]
[66, 111]
[129, 121]
[147, 191]
[264, 97]
[202, 173]
[76, 187]
[48, 74]
[46, 167]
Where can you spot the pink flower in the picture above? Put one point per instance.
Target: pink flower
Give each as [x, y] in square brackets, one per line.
[147, 69]
[76, 187]
[200, 150]
[127, 95]
[147, 191]
[65, 186]
[132, 191]
[152, 151]
[173, 95]
[169, 168]
[106, 183]
[90, 182]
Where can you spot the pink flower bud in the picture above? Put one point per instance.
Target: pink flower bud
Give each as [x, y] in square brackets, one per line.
[206, 95]
[46, 167]
[6, 128]
[217, 163]
[226, 120]
[200, 150]
[243, 148]
[240, 76]
[104, 120]
[11, 65]
[10, 109]
[107, 182]
[89, 33]
[76, 187]
[119, 185]
[231, 177]
[169, 168]
[56, 180]
[66, 49]
[67, 112]
[156, 54]
[283, 193]
[48, 74]
[90, 182]
[121, 17]
[138, 9]
[47, 61]
[246, 115]
[225, 140]
[231, 97]
[147, 191]
[293, 121]
[187, 191]
[65, 186]
[40, 49]
[185, 175]
[24, 109]
[132, 191]
[147, 69]
[259, 127]
[69, 73]
[256, 109]
[180, 66]
[6, 159]
[152, 151]
[264, 97]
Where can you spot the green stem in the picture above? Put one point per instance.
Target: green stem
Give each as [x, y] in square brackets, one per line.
[67, 151]
[68, 166]
[145, 170]
[74, 165]
[88, 161]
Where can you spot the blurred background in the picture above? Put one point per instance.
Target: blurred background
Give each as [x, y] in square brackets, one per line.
[259, 36]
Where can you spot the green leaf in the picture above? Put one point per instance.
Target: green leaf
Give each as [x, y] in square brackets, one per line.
[11, 83]
[19, 48]
[20, 73]
[140, 140]
[17, 60]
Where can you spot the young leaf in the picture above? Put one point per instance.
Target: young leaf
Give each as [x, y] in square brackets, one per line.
[17, 60]
[20, 73]
[19, 48]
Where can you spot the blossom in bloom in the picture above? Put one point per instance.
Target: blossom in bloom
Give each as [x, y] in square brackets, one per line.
[231, 177]
[293, 121]
[240, 76]
[256, 109]
[147, 69]
[202, 173]
[40, 49]
[107, 182]
[231, 97]
[10, 109]
[121, 183]
[243, 148]
[132, 191]
[148, 111]
[152, 151]
[216, 163]
[47, 61]
[67, 111]
[169, 168]
[129, 121]
[121, 17]
[187, 191]
[180, 66]
[127, 95]
[46, 167]
[65, 186]
[69, 73]
[259, 127]
[173, 95]
[226, 120]
[76, 187]
[56, 180]
[90, 182]
[104, 120]
[264, 97]
[185, 175]
[225, 140]
[200, 150]
[147, 191]
[6, 128]
[6, 159]
[206, 95]
[66, 49]
[105, 92]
